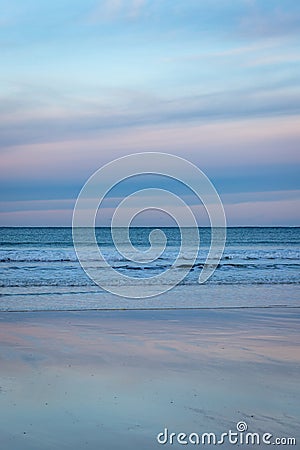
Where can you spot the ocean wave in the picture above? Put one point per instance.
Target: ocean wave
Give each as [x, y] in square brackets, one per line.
[133, 282]
[169, 256]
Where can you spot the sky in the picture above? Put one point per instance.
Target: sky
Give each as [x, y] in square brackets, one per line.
[84, 82]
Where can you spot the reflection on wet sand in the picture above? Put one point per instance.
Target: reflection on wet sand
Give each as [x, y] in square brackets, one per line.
[111, 380]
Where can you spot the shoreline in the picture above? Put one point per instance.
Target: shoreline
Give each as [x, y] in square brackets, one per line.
[204, 308]
[180, 297]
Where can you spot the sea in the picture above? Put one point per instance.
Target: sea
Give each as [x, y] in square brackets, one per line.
[39, 270]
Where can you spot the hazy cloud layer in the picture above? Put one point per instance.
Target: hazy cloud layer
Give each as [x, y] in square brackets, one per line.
[215, 82]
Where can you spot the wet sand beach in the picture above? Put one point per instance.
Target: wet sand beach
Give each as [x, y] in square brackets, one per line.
[115, 379]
